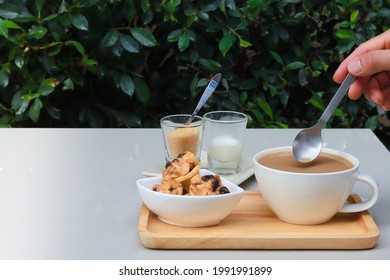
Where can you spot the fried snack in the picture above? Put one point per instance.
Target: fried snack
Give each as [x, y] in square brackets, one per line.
[181, 166]
[181, 177]
[207, 185]
[171, 186]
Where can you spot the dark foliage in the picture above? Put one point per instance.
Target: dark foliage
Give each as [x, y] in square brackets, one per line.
[125, 63]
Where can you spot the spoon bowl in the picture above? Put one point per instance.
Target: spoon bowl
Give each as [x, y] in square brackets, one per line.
[307, 144]
[313, 144]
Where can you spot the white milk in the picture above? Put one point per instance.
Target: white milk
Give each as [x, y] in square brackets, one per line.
[225, 149]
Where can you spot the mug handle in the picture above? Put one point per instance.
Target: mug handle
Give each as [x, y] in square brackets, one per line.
[357, 207]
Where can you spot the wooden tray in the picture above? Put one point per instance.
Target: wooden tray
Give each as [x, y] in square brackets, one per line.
[252, 225]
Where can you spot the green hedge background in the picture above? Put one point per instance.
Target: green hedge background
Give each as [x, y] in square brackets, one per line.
[126, 63]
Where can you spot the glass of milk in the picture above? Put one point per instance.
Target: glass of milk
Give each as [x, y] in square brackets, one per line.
[222, 138]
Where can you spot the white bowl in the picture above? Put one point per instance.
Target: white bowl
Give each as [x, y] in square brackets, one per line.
[189, 211]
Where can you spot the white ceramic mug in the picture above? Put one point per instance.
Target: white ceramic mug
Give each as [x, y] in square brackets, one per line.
[312, 198]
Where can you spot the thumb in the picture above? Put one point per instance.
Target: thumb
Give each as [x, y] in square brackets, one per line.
[370, 63]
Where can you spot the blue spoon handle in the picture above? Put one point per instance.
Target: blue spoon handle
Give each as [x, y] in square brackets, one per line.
[212, 85]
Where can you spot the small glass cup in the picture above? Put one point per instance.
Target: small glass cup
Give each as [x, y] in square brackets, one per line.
[179, 137]
[223, 133]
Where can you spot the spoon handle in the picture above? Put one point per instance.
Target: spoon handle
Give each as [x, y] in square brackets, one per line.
[206, 95]
[336, 99]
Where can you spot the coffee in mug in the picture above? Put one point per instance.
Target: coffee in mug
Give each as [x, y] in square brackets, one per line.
[324, 163]
[310, 193]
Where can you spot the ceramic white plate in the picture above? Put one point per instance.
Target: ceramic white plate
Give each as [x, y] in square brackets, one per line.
[247, 169]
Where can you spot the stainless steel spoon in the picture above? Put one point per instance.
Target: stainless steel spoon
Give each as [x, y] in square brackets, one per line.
[205, 96]
[308, 142]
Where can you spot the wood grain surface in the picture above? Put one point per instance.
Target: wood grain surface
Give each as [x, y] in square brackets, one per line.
[252, 225]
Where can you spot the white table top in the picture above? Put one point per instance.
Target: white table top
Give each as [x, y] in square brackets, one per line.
[71, 193]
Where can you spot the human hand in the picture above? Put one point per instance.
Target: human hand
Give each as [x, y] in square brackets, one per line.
[370, 64]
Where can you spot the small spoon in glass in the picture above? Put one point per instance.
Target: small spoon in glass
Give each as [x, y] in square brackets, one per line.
[308, 142]
[206, 95]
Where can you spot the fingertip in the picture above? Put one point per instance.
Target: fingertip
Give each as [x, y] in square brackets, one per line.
[354, 96]
[340, 73]
[336, 78]
[385, 107]
[355, 91]
[355, 66]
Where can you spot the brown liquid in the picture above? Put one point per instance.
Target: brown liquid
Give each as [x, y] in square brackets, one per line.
[324, 163]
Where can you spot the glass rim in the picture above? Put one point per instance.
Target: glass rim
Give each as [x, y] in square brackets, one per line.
[197, 121]
[243, 117]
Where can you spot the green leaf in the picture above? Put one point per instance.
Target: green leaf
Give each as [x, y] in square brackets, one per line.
[265, 107]
[47, 86]
[77, 45]
[202, 82]
[10, 24]
[277, 57]
[338, 112]
[30, 96]
[127, 85]
[9, 11]
[354, 16]
[50, 82]
[45, 90]
[244, 44]
[89, 62]
[25, 16]
[145, 5]
[3, 29]
[128, 43]
[144, 36]
[243, 97]
[64, 7]
[204, 16]
[193, 84]
[316, 101]
[39, 4]
[80, 22]
[50, 17]
[35, 110]
[129, 9]
[210, 64]
[175, 35]
[294, 65]
[147, 17]
[37, 31]
[4, 78]
[372, 122]
[213, 27]
[110, 38]
[194, 56]
[68, 84]
[141, 90]
[19, 61]
[55, 50]
[11, 54]
[191, 35]
[344, 34]
[53, 112]
[225, 43]
[183, 43]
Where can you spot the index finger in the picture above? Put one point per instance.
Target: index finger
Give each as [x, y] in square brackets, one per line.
[380, 42]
